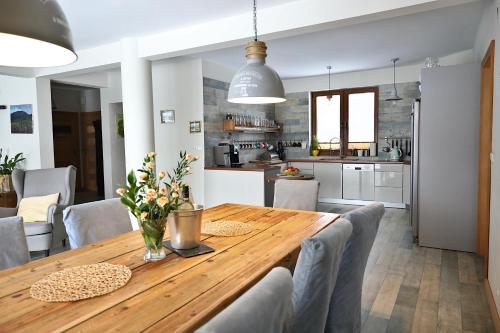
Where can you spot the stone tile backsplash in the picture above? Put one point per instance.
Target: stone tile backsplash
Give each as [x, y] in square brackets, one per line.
[215, 108]
[394, 118]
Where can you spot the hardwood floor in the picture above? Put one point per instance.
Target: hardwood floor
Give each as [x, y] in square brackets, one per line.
[408, 288]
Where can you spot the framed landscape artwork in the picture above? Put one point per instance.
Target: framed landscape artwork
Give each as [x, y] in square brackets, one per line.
[21, 119]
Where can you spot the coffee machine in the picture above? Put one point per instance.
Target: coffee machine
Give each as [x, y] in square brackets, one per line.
[227, 155]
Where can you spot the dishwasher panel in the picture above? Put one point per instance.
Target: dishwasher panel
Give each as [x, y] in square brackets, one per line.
[358, 181]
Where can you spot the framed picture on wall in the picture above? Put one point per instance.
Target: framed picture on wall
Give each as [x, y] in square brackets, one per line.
[167, 116]
[21, 119]
[195, 126]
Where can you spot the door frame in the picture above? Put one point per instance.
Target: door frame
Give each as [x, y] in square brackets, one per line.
[485, 149]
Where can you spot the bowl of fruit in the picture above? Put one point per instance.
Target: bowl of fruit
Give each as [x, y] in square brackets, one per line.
[291, 171]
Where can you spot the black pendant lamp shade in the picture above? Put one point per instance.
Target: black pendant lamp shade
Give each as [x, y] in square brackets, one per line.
[34, 33]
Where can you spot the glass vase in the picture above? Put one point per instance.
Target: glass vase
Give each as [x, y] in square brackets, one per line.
[153, 232]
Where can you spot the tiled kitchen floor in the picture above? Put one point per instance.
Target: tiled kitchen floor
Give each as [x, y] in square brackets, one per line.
[408, 288]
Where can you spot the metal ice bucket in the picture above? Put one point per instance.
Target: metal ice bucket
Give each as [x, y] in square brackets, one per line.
[184, 228]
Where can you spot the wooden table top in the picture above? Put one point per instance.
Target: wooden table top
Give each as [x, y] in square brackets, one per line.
[172, 295]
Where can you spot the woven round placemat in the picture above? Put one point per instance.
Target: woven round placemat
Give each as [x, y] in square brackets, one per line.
[226, 228]
[81, 282]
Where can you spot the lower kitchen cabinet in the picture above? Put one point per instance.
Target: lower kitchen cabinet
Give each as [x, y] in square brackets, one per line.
[329, 176]
[388, 194]
[407, 184]
[350, 183]
[389, 183]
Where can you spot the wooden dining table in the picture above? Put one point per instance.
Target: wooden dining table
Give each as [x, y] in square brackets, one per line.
[172, 295]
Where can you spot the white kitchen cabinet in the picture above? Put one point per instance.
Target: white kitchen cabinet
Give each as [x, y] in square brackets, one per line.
[389, 179]
[388, 194]
[389, 183]
[407, 184]
[329, 176]
[388, 167]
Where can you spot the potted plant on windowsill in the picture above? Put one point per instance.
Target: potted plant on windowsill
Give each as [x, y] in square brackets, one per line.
[314, 146]
[7, 165]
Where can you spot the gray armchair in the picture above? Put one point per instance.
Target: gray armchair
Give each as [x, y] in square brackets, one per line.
[43, 236]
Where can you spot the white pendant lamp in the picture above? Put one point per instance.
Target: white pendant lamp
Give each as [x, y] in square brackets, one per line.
[34, 33]
[393, 97]
[256, 83]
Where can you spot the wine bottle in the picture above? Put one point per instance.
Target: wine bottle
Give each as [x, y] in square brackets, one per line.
[186, 201]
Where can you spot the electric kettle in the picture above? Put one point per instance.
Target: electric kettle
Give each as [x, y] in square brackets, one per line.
[396, 154]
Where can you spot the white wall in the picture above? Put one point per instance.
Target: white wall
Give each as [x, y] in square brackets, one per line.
[43, 120]
[375, 77]
[112, 144]
[19, 91]
[217, 71]
[178, 85]
[490, 29]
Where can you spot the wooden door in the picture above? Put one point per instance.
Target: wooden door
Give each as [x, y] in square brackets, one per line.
[485, 146]
[89, 154]
[66, 132]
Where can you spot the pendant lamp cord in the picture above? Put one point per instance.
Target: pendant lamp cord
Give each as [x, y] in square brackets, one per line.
[255, 19]
[329, 73]
[394, 72]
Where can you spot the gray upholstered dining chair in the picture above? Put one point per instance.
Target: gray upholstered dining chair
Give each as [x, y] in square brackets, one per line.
[345, 307]
[43, 236]
[13, 245]
[296, 194]
[95, 221]
[264, 308]
[315, 276]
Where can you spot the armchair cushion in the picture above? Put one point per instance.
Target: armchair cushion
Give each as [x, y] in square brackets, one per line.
[34, 209]
[37, 228]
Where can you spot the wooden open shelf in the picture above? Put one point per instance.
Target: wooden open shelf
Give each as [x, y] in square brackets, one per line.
[229, 126]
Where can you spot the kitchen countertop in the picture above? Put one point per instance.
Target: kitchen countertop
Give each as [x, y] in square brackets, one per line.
[245, 167]
[354, 160]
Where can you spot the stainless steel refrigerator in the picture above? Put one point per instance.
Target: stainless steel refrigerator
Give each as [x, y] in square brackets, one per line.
[445, 158]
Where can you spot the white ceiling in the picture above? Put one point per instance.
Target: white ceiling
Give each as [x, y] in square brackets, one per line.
[366, 46]
[97, 22]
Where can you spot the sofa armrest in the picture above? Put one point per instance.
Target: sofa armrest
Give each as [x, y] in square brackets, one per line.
[53, 211]
[8, 212]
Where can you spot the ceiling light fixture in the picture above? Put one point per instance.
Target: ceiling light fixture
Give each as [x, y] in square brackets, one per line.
[393, 97]
[34, 33]
[256, 83]
[329, 97]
